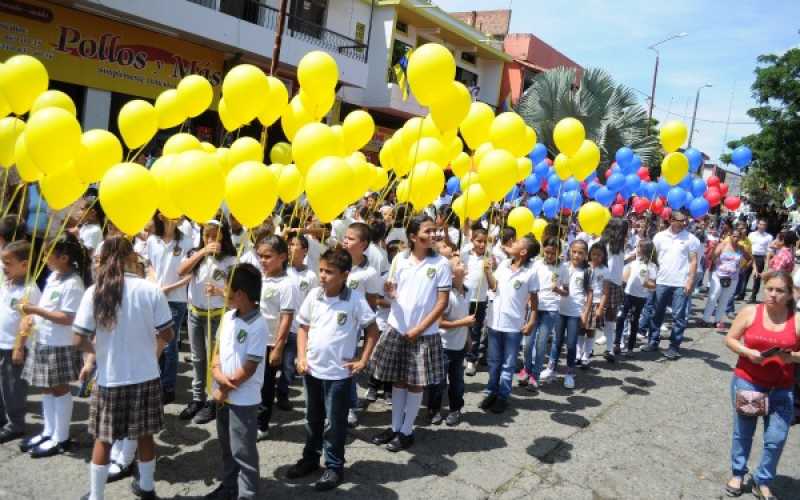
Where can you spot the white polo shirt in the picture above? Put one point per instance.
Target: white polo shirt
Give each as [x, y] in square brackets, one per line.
[475, 278]
[598, 277]
[334, 325]
[126, 354]
[377, 258]
[305, 280]
[165, 259]
[418, 284]
[315, 251]
[673, 256]
[547, 278]
[638, 275]
[90, 235]
[365, 278]
[243, 339]
[511, 299]
[62, 292]
[760, 242]
[616, 265]
[209, 270]
[573, 279]
[11, 294]
[454, 339]
[279, 295]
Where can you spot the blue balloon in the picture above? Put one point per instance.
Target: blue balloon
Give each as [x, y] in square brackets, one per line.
[699, 207]
[695, 158]
[513, 194]
[592, 189]
[538, 154]
[663, 187]
[688, 198]
[550, 207]
[615, 182]
[616, 169]
[651, 189]
[605, 196]
[571, 184]
[632, 181]
[698, 186]
[636, 163]
[453, 185]
[624, 156]
[742, 156]
[676, 198]
[628, 170]
[626, 192]
[541, 169]
[535, 205]
[532, 184]
[686, 183]
[591, 177]
[553, 185]
[571, 200]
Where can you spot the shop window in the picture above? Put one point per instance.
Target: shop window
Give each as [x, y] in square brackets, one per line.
[402, 27]
[469, 57]
[467, 77]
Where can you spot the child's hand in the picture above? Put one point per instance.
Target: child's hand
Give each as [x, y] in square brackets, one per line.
[469, 320]
[18, 356]
[301, 365]
[412, 334]
[213, 248]
[389, 289]
[219, 395]
[86, 372]
[356, 366]
[212, 290]
[598, 311]
[275, 358]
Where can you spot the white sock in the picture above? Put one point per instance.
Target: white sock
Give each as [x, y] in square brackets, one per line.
[608, 330]
[413, 402]
[588, 347]
[63, 411]
[98, 474]
[580, 347]
[48, 415]
[398, 407]
[128, 451]
[147, 471]
[116, 451]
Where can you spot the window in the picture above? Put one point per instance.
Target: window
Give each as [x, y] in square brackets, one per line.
[467, 77]
[243, 9]
[469, 57]
[361, 30]
[401, 27]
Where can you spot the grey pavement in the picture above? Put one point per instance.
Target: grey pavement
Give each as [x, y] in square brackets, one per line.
[643, 428]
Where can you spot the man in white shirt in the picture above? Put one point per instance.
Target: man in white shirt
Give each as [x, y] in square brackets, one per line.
[677, 258]
[760, 239]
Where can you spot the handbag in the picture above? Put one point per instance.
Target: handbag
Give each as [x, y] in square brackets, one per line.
[752, 403]
[725, 281]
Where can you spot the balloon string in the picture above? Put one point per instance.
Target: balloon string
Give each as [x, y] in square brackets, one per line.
[19, 212]
[13, 197]
[211, 338]
[5, 184]
[43, 261]
[33, 239]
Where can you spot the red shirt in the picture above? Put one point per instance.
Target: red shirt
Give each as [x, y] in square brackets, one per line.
[782, 261]
[773, 373]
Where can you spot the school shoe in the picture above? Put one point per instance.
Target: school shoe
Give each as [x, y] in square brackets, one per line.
[191, 410]
[600, 340]
[569, 381]
[672, 354]
[400, 442]
[609, 357]
[547, 375]
[453, 418]
[283, 403]
[487, 401]
[262, 434]
[371, 395]
[471, 369]
[436, 418]
[124, 471]
[330, 479]
[206, 414]
[222, 492]
[383, 437]
[532, 385]
[7, 435]
[649, 348]
[167, 397]
[500, 405]
[32, 442]
[352, 418]
[41, 452]
[140, 493]
[302, 468]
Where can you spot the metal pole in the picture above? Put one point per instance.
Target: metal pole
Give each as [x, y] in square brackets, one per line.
[694, 116]
[652, 96]
[369, 33]
[276, 51]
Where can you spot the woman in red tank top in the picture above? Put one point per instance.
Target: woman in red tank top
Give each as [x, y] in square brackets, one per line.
[757, 329]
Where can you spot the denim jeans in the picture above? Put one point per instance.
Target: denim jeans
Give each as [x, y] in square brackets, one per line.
[718, 297]
[198, 340]
[169, 357]
[536, 344]
[676, 296]
[287, 366]
[634, 306]
[776, 430]
[571, 325]
[646, 319]
[502, 360]
[326, 400]
[479, 345]
[454, 368]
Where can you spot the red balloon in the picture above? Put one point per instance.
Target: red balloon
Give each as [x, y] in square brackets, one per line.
[658, 206]
[617, 210]
[620, 200]
[712, 181]
[732, 202]
[640, 205]
[549, 161]
[643, 173]
[713, 196]
[566, 211]
[723, 189]
[666, 213]
[608, 173]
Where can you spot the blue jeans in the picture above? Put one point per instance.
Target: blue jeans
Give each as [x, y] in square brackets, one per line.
[326, 400]
[776, 430]
[676, 296]
[287, 366]
[536, 344]
[502, 361]
[169, 357]
[572, 326]
[454, 368]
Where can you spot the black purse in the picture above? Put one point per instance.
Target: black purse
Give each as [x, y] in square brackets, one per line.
[725, 281]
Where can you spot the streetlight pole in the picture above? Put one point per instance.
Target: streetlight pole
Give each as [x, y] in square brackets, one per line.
[694, 114]
[655, 75]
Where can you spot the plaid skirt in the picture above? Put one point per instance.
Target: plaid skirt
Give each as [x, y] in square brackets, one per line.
[614, 301]
[126, 411]
[397, 360]
[594, 321]
[48, 366]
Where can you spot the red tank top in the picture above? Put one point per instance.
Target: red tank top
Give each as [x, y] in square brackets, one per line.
[773, 372]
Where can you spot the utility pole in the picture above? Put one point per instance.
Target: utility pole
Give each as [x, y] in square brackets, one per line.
[276, 50]
[694, 114]
[655, 75]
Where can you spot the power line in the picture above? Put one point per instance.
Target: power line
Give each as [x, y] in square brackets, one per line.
[686, 116]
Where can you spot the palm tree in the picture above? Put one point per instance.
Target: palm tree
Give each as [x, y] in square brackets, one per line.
[609, 112]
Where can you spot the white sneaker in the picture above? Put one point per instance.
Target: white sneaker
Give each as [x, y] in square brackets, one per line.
[547, 375]
[352, 418]
[569, 381]
[665, 329]
[262, 435]
[471, 370]
[600, 340]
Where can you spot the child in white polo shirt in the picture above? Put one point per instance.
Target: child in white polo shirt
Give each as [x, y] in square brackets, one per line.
[331, 319]
[238, 371]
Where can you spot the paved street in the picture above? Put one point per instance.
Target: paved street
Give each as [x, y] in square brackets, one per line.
[642, 428]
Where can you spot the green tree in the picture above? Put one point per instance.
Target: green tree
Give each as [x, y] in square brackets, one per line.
[610, 112]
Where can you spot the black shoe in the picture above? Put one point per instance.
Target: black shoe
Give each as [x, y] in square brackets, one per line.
[191, 410]
[499, 406]
[330, 479]
[140, 493]
[32, 442]
[617, 350]
[62, 447]
[284, 404]
[7, 435]
[487, 402]
[400, 442]
[167, 397]
[437, 418]
[206, 414]
[384, 437]
[302, 468]
[222, 492]
[609, 356]
[124, 471]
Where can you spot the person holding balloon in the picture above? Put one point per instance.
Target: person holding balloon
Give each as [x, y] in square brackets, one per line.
[479, 280]
[614, 237]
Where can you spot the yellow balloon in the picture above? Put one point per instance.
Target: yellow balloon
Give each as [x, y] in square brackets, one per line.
[162, 169]
[461, 165]
[338, 133]
[674, 168]
[281, 153]
[525, 146]
[208, 147]
[195, 95]
[472, 204]
[53, 138]
[403, 191]
[294, 117]
[317, 72]
[673, 134]
[361, 175]
[28, 171]
[380, 179]
[228, 120]
[10, 129]
[317, 105]
[585, 160]
[452, 107]
[475, 127]
[169, 109]
[137, 122]
[245, 149]
[593, 218]
[386, 155]
[223, 157]
[251, 191]
[416, 128]
[563, 167]
[62, 188]
[469, 179]
[359, 127]
[54, 99]
[482, 150]
[507, 132]
[100, 150]
[454, 147]
[178, 143]
[22, 79]
[426, 182]
[538, 228]
[521, 219]
[312, 143]
[431, 70]
[568, 135]
[278, 100]
[290, 183]
[246, 91]
[497, 172]
[428, 149]
[197, 185]
[327, 179]
[5, 108]
[123, 183]
[524, 166]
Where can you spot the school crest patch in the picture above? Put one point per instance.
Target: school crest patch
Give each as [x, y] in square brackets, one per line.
[341, 318]
[176, 251]
[352, 284]
[241, 336]
[218, 275]
[55, 295]
[303, 286]
[14, 303]
[516, 284]
[431, 272]
[269, 293]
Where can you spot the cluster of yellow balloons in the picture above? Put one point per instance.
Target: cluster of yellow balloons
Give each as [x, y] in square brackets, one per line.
[675, 165]
[578, 156]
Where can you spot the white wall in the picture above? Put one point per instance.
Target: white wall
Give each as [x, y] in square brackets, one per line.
[96, 109]
[344, 14]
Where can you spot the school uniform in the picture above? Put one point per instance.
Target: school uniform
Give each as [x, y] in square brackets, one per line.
[575, 280]
[365, 279]
[90, 236]
[635, 298]
[304, 281]
[475, 280]
[378, 258]
[334, 326]
[242, 338]
[598, 276]
[547, 313]
[454, 341]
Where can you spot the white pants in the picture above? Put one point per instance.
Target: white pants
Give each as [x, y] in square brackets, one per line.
[718, 298]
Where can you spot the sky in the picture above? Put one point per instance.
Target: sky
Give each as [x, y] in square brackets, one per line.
[725, 38]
